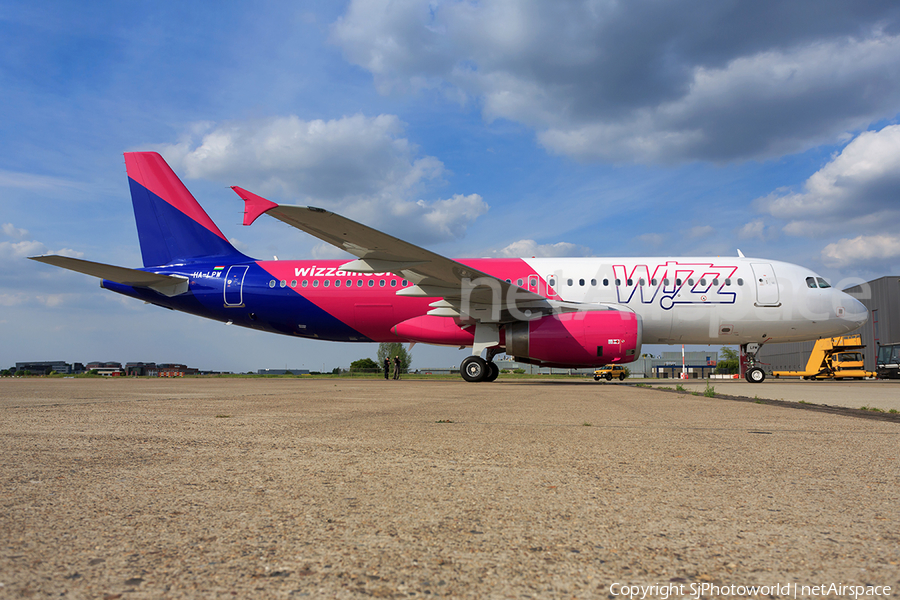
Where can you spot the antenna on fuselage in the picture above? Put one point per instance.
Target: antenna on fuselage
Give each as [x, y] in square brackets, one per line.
[741, 254]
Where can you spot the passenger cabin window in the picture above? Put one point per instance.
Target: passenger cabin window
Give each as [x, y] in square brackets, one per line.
[740, 281]
[822, 283]
[811, 282]
[594, 282]
[581, 282]
[519, 282]
[605, 282]
[569, 282]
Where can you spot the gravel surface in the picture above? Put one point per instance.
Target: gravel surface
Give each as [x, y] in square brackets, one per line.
[222, 488]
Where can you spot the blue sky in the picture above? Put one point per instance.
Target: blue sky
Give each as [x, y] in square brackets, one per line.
[490, 128]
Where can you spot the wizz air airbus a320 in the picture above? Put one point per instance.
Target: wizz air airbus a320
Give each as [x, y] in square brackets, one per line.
[560, 312]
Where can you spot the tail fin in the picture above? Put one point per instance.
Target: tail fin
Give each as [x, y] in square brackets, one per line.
[172, 227]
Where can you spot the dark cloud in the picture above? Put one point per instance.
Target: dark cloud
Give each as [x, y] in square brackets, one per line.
[645, 81]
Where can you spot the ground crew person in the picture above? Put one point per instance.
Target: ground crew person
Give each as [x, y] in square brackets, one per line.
[397, 367]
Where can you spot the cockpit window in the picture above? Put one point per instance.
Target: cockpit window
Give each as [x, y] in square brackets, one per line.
[811, 282]
[822, 283]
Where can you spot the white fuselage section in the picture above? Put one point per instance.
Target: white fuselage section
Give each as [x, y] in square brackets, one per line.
[718, 300]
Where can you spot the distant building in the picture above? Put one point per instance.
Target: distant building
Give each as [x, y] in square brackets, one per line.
[49, 366]
[139, 369]
[697, 364]
[107, 369]
[172, 370]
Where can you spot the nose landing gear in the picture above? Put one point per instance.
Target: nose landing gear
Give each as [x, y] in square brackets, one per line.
[754, 373]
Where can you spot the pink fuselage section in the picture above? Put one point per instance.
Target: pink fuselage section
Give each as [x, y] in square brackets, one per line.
[368, 303]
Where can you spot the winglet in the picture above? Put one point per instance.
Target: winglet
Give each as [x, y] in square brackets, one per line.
[254, 205]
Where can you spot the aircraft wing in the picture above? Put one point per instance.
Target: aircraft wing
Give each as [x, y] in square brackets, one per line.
[465, 291]
[167, 285]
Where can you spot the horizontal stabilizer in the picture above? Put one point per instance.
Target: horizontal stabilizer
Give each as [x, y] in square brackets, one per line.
[167, 285]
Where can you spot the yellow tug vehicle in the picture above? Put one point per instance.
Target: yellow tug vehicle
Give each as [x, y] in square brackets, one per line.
[834, 358]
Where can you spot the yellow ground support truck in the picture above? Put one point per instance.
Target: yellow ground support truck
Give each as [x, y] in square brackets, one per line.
[834, 358]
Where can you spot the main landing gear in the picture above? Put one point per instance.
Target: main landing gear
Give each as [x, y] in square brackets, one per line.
[475, 368]
[754, 373]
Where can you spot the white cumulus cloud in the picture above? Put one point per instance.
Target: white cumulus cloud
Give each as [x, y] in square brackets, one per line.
[756, 229]
[859, 188]
[530, 248]
[872, 252]
[12, 231]
[359, 166]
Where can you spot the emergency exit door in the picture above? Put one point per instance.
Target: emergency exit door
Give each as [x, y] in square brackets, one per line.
[766, 285]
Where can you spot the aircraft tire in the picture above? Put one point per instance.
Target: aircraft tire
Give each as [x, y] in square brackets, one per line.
[473, 369]
[493, 372]
[756, 375]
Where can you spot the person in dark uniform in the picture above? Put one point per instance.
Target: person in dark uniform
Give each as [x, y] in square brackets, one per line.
[397, 367]
[387, 367]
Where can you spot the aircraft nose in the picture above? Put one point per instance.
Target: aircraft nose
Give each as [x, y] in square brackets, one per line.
[854, 311]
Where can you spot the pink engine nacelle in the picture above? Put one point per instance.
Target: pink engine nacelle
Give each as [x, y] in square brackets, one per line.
[578, 339]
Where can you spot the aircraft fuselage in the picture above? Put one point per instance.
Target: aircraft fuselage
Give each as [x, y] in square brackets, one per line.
[680, 300]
